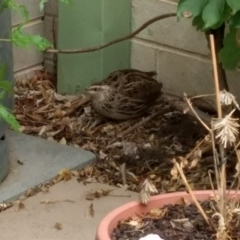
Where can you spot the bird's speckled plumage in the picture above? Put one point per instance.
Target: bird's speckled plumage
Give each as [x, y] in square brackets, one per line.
[125, 94]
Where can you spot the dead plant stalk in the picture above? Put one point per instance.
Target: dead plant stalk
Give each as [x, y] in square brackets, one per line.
[200, 209]
[216, 162]
[222, 189]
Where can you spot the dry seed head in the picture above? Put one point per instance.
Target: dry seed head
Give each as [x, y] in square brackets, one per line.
[144, 196]
[237, 168]
[226, 129]
[226, 98]
[221, 225]
[147, 188]
[236, 211]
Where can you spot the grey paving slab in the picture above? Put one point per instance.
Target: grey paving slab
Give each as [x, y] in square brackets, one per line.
[42, 160]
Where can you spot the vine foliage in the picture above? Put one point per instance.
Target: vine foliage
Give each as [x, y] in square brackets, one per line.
[212, 14]
[20, 39]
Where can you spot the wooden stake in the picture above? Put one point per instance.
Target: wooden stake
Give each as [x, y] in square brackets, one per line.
[220, 115]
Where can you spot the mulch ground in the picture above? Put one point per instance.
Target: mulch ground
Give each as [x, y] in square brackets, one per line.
[147, 151]
[175, 222]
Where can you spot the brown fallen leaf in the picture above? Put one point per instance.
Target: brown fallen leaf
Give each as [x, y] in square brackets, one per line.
[184, 201]
[59, 113]
[135, 222]
[53, 133]
[63, 141]
[56, 201]
[22, 128]
[90, 197]
[45, 189]
[91, 210]
[58, 226]
[47, 202]
[157, 213]
[20, 162]
[98, 194]
[18, 206]
[174, 172]
[75, 173]
[30, 192]
[65, 174]
[88, 180]
[194, 163]
[43, 130]
[34, 117]
[4, 206]
[68, 104]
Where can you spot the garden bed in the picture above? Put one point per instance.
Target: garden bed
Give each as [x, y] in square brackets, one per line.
[147, 151]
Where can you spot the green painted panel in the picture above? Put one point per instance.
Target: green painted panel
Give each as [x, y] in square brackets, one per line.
[79, 26]
[86, 24]
[117, 23]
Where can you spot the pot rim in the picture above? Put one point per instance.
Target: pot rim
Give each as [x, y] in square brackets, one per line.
[109, 221]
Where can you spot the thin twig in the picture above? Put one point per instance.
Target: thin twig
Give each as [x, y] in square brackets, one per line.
[211, 183]
[195, 148]
[144, 121]
[200, 209]
[5, 40]
[203, 95]
[236, 177]
[83, 101]
[120, 195]
[216, 160]
[123, 173]
[131, 35]
[194, 112]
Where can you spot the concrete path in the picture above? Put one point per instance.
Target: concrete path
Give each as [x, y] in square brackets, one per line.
[67, 206]
[63, 212]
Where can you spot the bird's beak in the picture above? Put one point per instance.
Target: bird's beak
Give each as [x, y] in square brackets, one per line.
[90, 93]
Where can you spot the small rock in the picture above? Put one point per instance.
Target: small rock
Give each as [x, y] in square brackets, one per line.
[151, 237]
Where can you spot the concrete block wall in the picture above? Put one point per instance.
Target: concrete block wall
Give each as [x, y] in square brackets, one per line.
[28, 60]
[50, 32]
[175, 50]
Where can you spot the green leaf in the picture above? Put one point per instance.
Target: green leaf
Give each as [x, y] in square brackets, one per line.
[66, 1]
[25, 40]
[213, 13]
[39, 42]
[6, 86]
[21, 9]
[234, 5]
[234, 21]
[2, 72]
[195, 7]
[24, 12]
[198, 22]
[4, 6]
[229, 55]
[6, 115]
[41, 4]
[2, 95]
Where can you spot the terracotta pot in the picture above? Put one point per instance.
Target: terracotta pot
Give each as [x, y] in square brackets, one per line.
[108, 223]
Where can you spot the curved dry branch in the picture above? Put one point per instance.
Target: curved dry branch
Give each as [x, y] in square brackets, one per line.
[131, 35]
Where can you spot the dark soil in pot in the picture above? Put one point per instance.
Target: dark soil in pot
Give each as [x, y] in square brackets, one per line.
[175, 222]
